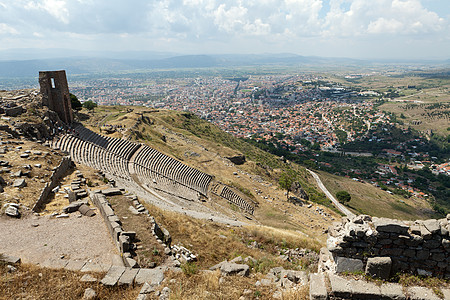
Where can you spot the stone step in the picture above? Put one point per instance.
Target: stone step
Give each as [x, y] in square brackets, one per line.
[317, 287]
[112, 277]
[128, 276]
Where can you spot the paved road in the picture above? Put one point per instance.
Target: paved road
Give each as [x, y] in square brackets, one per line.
[336, 203]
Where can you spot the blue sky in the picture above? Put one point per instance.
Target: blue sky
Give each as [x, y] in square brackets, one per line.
[394, 29]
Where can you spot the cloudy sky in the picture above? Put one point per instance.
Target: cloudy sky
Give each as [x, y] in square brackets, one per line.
[335, 28]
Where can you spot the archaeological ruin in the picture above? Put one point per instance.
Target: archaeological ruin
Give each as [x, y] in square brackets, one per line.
[55, 93]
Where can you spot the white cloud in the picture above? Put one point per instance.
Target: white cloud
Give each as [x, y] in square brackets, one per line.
[232, 19]
[56, 8]
[6, 29]
[381, 17]
[282, 25]
[383, 25]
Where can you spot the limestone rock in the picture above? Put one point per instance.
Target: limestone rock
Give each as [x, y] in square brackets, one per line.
[12, 211]
[317, 287]
[379, 267]
[389, 225]
[111, 192]
[74, 206]
[89, 294]
[432, 225]
[19, 183]
[234, 269]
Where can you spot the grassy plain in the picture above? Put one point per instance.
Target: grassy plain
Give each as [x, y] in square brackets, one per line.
[368, 199]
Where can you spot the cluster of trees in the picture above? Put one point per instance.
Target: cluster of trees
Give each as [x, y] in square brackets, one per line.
[77, 105]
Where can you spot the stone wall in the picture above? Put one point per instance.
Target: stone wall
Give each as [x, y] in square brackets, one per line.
[55, 93]
[57, 174]
[122, 239]
[417, 247]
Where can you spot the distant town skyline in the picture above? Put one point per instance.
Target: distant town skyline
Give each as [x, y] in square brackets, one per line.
[363, 29]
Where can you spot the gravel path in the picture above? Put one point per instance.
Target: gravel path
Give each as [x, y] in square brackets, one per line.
[74, 238]
[336, 203]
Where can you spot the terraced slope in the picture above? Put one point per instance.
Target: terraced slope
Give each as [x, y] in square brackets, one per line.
[147, 166]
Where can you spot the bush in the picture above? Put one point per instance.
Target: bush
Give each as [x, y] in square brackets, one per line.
[76, 104]
[343, 197]
[89, 105]
[189, 268]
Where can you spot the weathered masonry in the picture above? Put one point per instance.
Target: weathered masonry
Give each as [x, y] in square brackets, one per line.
[55, 93]
[417, 247]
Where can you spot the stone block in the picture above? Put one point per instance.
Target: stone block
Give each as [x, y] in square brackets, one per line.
[112, 277]
[379, 267]
[72, 196]
[432, 225]
[111, 192]
[114, 218]
[9, 259]
[73, 206]
[124, 243]
[12, 211]
[19, 183]
[234, 269]
[75, 265]
[344, 264]
[86, 211]
[317, 287]
[362, 289]
[107, 210]
[55, 263]
[340, 288]
[94, 267]
[390, 226]
[421, 293]
[14, 111]
[133, 210]
[151, 276]
[128, 276]
[130, 234]
[425, 233]
[392, 291]
[131, 262]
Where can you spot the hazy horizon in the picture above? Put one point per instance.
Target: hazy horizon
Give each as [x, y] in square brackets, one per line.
[357, 29]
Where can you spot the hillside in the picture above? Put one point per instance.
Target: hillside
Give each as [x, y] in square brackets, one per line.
[202, 145]
[278, 234]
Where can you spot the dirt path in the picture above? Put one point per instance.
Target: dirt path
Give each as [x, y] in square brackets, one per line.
[336, 203]
[74, 238]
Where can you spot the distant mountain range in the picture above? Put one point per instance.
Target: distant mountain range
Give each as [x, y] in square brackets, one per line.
[95, 62]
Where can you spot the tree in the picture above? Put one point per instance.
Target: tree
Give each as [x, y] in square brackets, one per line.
[286, 180]
[76, 104]
[89, 105]
[343, 196]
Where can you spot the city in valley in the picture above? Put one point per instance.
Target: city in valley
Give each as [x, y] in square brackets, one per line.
[387, 128]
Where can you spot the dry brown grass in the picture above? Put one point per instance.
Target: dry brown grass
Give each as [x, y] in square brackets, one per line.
[209, 285]
[32, 282]
[365, 195]
[213, 243]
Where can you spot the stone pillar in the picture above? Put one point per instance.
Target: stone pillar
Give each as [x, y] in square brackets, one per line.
[55, 93]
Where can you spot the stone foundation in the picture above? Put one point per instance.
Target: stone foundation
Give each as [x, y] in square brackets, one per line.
[416, 247]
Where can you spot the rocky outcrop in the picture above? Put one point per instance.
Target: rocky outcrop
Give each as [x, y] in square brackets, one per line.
[237, 159]
[297, 190]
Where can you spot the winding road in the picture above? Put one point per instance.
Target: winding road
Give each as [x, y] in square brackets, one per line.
[336, 203]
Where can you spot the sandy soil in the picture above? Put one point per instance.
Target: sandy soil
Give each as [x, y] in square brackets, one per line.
[74, 238]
